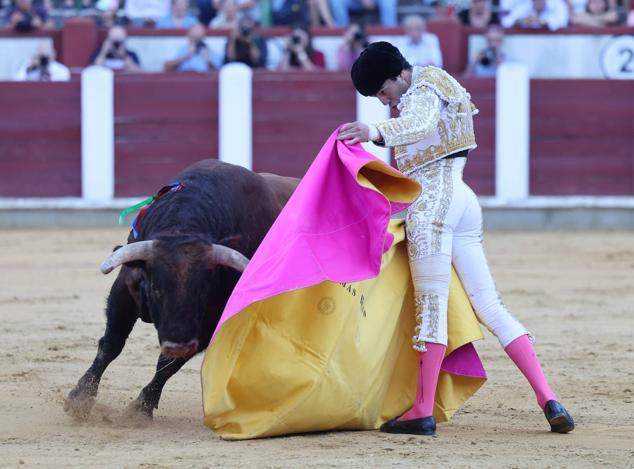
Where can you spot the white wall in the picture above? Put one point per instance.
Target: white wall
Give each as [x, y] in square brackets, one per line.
[552, 56]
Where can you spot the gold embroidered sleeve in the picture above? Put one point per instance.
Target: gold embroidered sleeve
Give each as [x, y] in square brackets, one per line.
[420, 113]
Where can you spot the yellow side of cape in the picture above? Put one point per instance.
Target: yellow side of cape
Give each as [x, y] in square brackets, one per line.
[329, 357]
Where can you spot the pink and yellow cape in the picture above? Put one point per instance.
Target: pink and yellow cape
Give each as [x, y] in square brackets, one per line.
[317, 334]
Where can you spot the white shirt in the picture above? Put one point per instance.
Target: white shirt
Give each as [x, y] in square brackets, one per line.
[426, 52]
[57, 71]
[555, 14]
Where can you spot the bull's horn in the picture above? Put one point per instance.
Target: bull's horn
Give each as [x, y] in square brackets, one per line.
[222, 255]
[140, 251]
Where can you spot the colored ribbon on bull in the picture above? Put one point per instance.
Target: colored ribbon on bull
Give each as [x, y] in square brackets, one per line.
[172, 186]
[135, 207]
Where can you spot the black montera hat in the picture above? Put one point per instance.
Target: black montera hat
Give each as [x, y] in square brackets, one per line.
[378, 62]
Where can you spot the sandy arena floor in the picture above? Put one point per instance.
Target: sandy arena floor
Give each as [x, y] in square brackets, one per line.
[574, 291]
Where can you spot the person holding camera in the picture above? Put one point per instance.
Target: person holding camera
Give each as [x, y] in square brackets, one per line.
[194, 56]
[113, 53]
[25, 17]
[245, 45]
[43, 67]
[299, 52]
[488, 59]
[354, 41]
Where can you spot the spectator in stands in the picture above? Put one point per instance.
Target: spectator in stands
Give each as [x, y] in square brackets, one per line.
[108, 10]
[206, 11]
[230, 11]
[145, 13]
[630, 17]
[387, 10]
[320, 13]
[420, 47]
[354, 41]
[479, 14]
[597, 13]
[43, 67]
[114, 54]
[552, 14]
[227, 16]
[291, 12]
[195, 55]
[73, 4]
[245, 45]
[488, 59]
[23, 16]
[299, 52]
[179, 16]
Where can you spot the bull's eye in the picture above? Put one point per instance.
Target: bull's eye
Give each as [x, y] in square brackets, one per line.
[156, 291]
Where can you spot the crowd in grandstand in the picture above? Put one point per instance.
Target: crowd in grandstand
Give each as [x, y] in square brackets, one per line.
[241, 19]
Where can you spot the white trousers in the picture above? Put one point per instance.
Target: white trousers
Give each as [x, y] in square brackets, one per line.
[444, 226]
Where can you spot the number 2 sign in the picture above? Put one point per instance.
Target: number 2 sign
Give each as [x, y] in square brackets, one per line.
[617, 58]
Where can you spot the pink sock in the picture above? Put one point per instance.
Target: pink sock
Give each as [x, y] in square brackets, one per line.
[523, 355]
[428, 370]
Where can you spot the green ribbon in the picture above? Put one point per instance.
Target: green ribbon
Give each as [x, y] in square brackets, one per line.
[135, 207]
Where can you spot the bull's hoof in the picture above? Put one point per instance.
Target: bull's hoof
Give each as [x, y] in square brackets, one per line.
[78, 405]
[140, 411]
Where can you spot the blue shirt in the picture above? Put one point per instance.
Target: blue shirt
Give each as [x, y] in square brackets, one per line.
[196, 63]
[168, 22]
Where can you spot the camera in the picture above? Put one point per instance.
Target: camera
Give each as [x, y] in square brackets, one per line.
[358, 36]
[246, 31]
[116, 45]
[296, 39]
[44, 61]
[489, 57]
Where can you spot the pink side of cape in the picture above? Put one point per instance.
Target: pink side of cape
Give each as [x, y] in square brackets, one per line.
[331, 229]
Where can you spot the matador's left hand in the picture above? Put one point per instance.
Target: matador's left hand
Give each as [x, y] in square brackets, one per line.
[354, 132]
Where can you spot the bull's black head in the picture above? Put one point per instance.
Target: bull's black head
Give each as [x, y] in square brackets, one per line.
[178, 282]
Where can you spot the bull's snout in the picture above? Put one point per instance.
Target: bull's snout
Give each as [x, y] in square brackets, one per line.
[179, 350]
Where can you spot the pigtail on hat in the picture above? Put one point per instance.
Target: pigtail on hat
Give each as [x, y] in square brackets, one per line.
[378, 62]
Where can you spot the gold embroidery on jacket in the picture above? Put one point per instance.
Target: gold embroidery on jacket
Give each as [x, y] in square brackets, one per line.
[419, 117]
[436, 120]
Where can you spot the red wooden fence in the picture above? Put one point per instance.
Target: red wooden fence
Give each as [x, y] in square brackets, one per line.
[582, 137]
[582, 131]
[163, 123]
[293, 114]
[480, 170]
[40, 139]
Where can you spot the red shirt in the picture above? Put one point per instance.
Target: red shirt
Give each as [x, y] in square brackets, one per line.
[318, 59]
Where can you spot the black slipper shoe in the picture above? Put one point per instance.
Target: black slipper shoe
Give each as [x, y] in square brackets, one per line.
[558, 417]
[422, 426]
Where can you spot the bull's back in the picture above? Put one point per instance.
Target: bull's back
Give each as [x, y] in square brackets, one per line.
[228, 199]
[281, 186]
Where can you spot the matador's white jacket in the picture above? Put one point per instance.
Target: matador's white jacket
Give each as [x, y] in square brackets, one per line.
[436, 120]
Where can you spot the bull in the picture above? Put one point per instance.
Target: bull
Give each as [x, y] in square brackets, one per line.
[181, 268]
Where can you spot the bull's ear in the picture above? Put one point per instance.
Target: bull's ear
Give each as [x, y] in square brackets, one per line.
[231, 241]
[133, 277]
